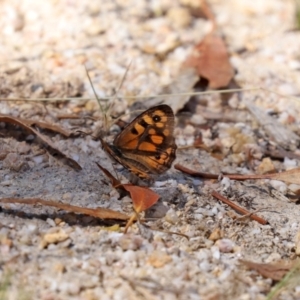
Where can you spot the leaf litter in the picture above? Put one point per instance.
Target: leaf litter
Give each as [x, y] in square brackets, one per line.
[191, 210]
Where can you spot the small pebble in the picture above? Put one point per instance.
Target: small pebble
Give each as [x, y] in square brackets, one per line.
[279, 186]
[225, 245]
[171, 216]
[215, 252]
[179, 16]
[53, 238]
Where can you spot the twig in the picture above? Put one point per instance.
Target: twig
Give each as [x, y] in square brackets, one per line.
[239, 209]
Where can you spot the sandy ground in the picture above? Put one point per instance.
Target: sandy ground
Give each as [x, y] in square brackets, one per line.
[44, 46]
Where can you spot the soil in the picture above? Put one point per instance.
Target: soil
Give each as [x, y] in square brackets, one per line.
[50, 254]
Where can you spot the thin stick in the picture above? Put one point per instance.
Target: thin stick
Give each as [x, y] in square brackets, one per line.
[135, 97]
[94, 91]
[230, 176]
[155, 96]
[239, 209]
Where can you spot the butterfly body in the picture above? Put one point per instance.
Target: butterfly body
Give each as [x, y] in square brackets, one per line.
[146, 145]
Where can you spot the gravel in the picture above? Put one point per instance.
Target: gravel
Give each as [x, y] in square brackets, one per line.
[50, 254]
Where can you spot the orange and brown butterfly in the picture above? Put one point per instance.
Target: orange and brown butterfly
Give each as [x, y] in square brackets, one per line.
[146, 146]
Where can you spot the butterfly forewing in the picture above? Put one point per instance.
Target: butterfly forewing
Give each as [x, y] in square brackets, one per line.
[146, 145]
[149, 131]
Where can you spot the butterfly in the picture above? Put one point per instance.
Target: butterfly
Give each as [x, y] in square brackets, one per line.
[146, 145]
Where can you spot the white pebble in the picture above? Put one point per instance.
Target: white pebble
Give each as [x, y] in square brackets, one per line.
[255, 231]
[294, 64]
[32, 228]
[51, 222]
[289, 163]
[129, 256]
[279, 186]
[214, 210]
[215, 252]
[205, 266]
[225, 245]
[38, 159]
[171, 216]
[203, 254]
[225, 182]
[198, 217]
[225, 274]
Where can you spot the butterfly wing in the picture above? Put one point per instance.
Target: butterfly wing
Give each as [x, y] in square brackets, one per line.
[147, 143]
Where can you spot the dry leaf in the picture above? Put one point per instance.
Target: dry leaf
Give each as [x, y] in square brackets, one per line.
[211, 60]
[102, 213]
[114, 181]
[274, 271]
[290, 176]
[48, 144]
[47, 126]
[142, 197]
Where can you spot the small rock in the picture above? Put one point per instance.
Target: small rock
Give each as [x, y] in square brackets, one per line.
[215, 252]
[171, 216]
[6, 182]
[130, 242]
[14, 162]
[158, 259]
[279, 186]
[53, 238]
[95, 27]
[39, 159]
[59, 267]
[225, 245]
[23, 148]
[179, 16]
[266, 166]
[216, 234]
[273, 257]
[289, 163]
[225, 182]
[51, 222]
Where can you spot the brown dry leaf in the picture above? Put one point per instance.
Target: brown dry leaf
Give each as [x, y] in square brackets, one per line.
[114, 181]
[210, 57]
[49, 145]
[47, 126]
[290, 176]
[142, 197]
[211, 60]
[102, 213]
[275, 271]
